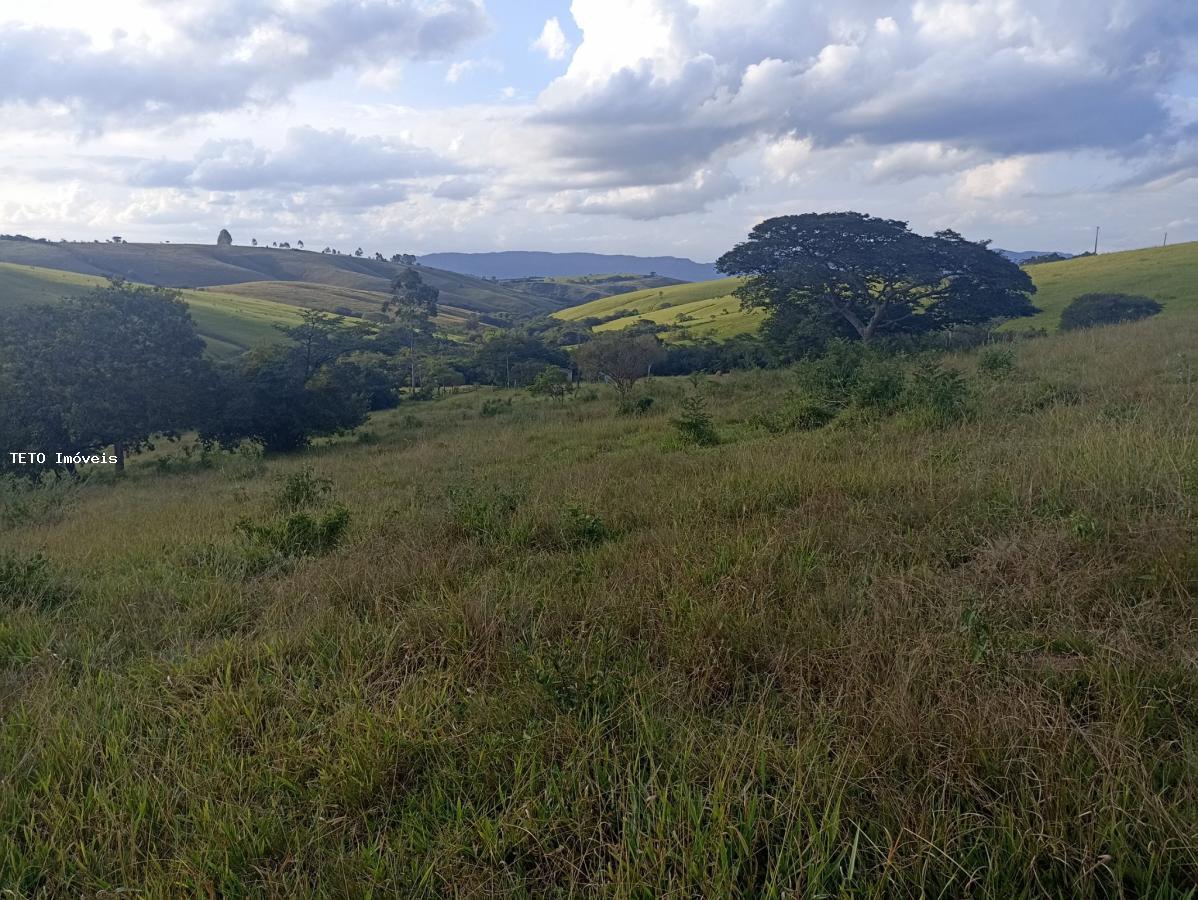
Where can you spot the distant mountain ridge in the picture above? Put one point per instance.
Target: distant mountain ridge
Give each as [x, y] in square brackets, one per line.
[531, 263]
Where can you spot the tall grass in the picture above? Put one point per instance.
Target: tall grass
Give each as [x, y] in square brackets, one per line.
[558, 652]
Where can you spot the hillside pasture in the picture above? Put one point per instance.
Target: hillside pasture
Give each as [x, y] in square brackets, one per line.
[204, 265]
[557, 653]
[1168, 275]
[228, 323]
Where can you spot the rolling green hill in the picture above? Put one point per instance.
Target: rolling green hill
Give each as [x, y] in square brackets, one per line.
[576, 289]
[1166, 274]
[229, 323]
[702, 309]
[203, 265]
[707, 308]
[334, 299]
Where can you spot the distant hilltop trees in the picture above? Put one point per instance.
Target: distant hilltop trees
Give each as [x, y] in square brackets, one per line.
[224, 239]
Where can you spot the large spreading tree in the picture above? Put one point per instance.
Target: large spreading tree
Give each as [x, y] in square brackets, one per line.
[111, 368]
[853, 274]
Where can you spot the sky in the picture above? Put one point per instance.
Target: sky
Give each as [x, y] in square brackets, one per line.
[624, 126]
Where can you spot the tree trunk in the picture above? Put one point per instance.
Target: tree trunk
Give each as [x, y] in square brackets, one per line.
[412, 351]
[118, 450]
[873, 323]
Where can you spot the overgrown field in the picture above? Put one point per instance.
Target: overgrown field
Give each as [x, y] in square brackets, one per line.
[538, 648]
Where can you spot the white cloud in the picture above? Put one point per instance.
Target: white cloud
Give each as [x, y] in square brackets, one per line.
[552, 41]
[214, 56]
[907, 161]
[992, 181]
[715, 111]
[463, 67]
[785, 157]
[649, 203]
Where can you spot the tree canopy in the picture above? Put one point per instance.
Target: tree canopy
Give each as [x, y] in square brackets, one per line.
[110, 368]
[224, 239]
[874, 274]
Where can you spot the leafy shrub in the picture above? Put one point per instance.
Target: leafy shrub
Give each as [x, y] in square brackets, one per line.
[299, 534]
[878, 383]
[495, 407]
[24, 501]
[29, 580]
[695, 425]
[582, 528]
[798, 412]
[941, 393]
[996, 362]
[302, 489]
[552, 381]
[1090, 310]
[634, 406]
[833, 376]
[189, 458]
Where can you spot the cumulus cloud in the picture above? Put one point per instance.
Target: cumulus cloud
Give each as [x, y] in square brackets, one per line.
[646, 203]
[223, 54]
[906, 161]
[945, 112]
[686, 81]
[992, 181]
[552, 41]
[308, 158]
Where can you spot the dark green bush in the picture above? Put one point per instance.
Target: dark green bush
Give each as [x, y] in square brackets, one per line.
[997, 362]
[1090, 310]
[695, 425]
[495, 407]
[798, 412]
[878, 383]
[941, 393]
[634, 406]
[301, 489]
[582, 528]
[299, 534]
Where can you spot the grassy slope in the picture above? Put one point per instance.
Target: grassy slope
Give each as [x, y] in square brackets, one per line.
[327, 298]
[644, 301]
[1167, 274]
[229, 323]
[558, 654]
[201, 265]
[713, 310]
[573, 290]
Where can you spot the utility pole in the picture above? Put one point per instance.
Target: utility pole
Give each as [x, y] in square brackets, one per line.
[1097, 229]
